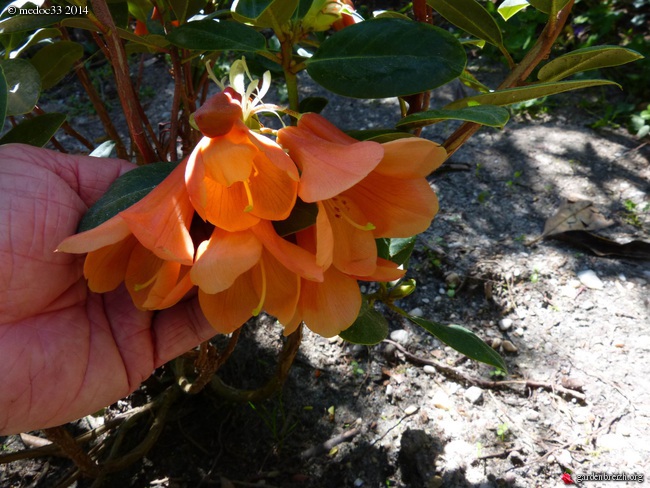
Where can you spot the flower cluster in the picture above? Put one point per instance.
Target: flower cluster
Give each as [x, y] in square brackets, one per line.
[212, 223]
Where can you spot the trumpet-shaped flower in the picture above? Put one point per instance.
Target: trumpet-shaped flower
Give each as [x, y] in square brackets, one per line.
[240, 273]
[332, 305]
[380, 192]
[235, 177]
[148, 246]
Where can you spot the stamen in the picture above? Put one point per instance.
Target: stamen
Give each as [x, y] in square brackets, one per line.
[249, 196]
[368, 226]
[341, 210]
[256, 311]
[138, 286]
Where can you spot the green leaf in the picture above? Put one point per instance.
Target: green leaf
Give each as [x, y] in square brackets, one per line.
[401, 248]
[469, 80]
[22, 23]
[39, 35]
[211, 35]
[551, 7]
[462, 340]
[510, 7]
[127, 190]
[302, 215]
[386, 58]
[586, 59]
[23, 85]
[264, 13]
[489, 115]
[54, 61]
[36, 131]
[370, 327]
[521, 94]
[470, 16]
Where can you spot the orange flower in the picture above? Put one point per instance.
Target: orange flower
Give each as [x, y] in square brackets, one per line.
[241, 273]
[235, 177]
[148, 246]
[379, 192]
[331, 306]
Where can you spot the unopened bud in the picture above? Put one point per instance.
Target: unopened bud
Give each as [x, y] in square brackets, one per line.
[403, 290]
[322, 14]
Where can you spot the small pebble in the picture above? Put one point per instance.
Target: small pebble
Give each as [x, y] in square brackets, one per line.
[428, 369]
[474, 395]
[389, 390]
[508, 346]
[587, 305]
[416, 312]
[496, 343]
[400, 336]
[505, 324]
[519, 331]
[589, 278]
[358, 483]
[411, 409]
[564, 458]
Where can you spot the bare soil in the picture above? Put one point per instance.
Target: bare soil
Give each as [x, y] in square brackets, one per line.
[411, 412]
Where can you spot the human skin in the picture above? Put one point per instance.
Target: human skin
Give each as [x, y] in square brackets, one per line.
[65, 351]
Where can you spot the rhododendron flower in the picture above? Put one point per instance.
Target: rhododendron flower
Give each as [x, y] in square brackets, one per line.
[241, 273]
[331, 306]
[148, 246]
[381, 191]
[234, 176]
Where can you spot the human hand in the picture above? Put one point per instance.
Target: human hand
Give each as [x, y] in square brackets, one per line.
[66, 352]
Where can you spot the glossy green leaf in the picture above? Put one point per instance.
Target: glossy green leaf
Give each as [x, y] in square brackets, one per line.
[140, 9]
[23, 23]
[39, 35]
[549, 6]
[127, 190]
[3, 97]
[401, 248]
[509, 8]
[586, 59]
[184, 9]
[489, 115]
[462, 340]
[469, 80]
[370, 327]
[211, 35]
[54, 61]
[386, 58]
[264, 13]
[36, 131]
[23, 85]
[521, 94]
[470, 16]
[302, 215]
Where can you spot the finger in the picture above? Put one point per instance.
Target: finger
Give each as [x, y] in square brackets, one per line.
[87, 176]
[178, 329]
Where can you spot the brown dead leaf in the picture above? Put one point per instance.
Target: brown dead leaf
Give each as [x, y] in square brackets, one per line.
[574, 215]
[602, 246]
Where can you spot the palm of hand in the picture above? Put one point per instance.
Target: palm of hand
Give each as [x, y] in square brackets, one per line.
[67, 352]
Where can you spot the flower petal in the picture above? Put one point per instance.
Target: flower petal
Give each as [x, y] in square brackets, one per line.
[275, 154]
[161, 220]
[278, 287]
[150, 279]
[411, 157]
[230, 309]
[328, 168]
[226, 207]
[354, 250]
[105, 268]
[223, 258]
[110, 232]
[218, 114]
[293, 257]
[273, 192]
[329, 307]
[396, 207]
[226, 159]
[385, 271]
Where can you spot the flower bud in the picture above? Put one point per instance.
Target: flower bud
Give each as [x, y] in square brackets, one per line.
[403, 290]
[322, 14]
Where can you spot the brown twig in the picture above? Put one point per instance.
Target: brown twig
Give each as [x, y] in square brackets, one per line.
[69, 446]
[518, 75]
[329, 444]
[128, 98]
[453, 372]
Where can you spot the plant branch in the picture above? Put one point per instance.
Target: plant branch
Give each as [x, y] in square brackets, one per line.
[128, 98]
[518, 75]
